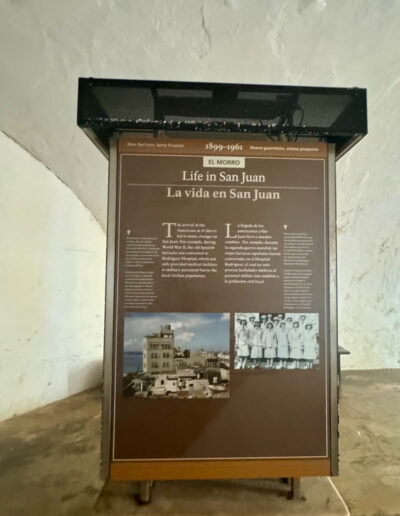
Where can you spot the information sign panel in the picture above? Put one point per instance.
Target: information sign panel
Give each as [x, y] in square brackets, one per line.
[221, 308]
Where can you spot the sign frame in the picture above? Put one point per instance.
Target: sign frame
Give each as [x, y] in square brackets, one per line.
[215, 468]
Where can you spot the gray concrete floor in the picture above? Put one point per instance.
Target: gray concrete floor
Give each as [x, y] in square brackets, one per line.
[369, 442]
[49, 462]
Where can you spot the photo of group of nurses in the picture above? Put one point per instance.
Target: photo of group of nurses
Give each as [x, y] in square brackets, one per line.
[276, 341]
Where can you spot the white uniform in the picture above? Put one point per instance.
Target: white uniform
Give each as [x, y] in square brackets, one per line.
[310, 345]
[283, 345]
[251, 327]
[269, 343]
[302, 327]
[256, 339]
[242, 341]
[295, 343]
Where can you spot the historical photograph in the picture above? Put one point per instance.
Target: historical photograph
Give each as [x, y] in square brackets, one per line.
[276, 341]
[176, 355]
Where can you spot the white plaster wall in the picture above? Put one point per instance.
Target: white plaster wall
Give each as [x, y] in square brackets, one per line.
[46, 45]
[52, 260]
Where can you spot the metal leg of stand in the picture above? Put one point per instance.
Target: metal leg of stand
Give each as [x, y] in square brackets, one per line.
[144, 495]
[294, 493]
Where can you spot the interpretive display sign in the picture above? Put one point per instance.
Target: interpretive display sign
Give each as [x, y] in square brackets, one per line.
[221, 325]
[220, 345]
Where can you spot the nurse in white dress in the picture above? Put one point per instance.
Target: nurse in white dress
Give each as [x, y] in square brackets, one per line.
[289, 323]
[242, 344]
[310, 343]
[256, 353]
[251, 325]
[295, 339]
[302, 321]
[269, 344]
[282, 344]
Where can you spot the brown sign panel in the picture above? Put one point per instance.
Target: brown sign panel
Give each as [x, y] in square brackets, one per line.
[221, 307]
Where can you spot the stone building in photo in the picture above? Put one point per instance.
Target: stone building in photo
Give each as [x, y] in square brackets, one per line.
[158, 351]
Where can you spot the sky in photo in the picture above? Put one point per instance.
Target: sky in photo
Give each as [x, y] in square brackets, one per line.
[192, 331]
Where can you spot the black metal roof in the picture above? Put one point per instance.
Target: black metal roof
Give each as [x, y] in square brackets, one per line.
[335, 115]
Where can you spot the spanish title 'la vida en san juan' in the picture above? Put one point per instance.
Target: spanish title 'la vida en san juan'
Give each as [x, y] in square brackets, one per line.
[199, 192]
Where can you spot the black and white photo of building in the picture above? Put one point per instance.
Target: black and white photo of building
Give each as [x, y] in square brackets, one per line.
[276, 341]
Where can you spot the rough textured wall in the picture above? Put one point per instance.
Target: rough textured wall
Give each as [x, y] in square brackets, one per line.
[46, 45]
[52, 260]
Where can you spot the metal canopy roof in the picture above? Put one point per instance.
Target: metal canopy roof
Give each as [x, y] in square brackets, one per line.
[335, 115]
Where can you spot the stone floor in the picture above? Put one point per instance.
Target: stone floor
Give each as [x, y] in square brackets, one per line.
[369, 442]
[49, 461]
